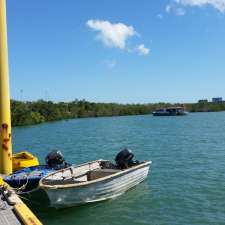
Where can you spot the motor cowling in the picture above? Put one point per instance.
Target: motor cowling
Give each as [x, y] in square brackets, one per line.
[55, 159]
[124, 159]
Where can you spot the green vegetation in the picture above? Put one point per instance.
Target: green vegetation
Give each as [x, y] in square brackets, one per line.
[27, 113]
[205, 107]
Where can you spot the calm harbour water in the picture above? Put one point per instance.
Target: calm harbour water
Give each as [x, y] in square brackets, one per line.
[186, 184]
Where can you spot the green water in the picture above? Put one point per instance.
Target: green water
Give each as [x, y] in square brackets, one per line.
[187, 180]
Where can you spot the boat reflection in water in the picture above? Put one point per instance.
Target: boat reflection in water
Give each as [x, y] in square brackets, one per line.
[170, 111]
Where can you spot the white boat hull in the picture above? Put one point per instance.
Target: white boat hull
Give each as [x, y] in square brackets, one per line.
[97, 191]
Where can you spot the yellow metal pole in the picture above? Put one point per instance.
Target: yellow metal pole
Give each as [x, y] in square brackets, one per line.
[5, 117]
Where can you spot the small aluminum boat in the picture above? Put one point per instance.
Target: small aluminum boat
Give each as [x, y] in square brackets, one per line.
[91, 182]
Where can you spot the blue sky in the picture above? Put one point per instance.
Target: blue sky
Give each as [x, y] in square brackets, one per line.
[117, 51]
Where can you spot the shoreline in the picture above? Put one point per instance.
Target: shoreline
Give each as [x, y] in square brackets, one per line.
[37, 112]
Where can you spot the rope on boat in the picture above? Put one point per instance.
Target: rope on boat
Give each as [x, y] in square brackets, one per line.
[23, 187]
[27, 192]
[18, 190]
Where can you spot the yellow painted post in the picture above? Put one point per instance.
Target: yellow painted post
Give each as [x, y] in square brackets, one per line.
[5, 117]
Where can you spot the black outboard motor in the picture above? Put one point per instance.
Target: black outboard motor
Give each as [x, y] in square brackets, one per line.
[124, 159]
[55, 160]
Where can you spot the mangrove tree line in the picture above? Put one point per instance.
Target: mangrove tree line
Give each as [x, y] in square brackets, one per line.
[34, 112]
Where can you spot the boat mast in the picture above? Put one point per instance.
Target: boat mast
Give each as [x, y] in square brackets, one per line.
[5, 116]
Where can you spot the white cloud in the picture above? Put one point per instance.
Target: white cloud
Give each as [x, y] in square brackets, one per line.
[160, 16]
[110, 63]
[112, 34]
[173, 8]
[168, 8]
[179, 11]
[116, 35]
[142, 50]
[217, 4]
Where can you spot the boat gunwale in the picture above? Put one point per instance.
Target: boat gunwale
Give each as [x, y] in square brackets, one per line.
[86, 183]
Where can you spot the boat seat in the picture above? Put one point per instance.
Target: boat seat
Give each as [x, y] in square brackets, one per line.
[99, 173]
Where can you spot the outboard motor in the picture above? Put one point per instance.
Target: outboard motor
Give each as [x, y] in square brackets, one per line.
[124, 159]
[55, 160]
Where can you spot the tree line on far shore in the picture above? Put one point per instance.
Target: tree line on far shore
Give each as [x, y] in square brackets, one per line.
[34, 112]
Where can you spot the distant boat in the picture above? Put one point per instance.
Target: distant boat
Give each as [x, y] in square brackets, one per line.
[94, 181]
[170, 111]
